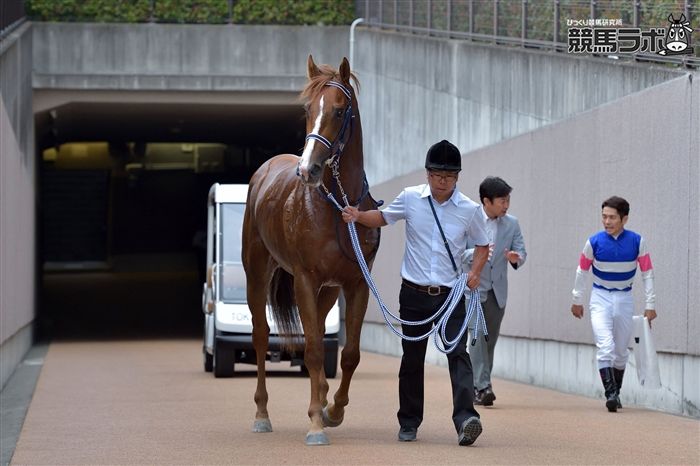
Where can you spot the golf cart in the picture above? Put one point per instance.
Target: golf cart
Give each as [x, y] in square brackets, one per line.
[227, 321]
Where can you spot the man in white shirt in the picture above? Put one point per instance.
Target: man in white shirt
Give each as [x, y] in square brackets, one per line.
[428, 272]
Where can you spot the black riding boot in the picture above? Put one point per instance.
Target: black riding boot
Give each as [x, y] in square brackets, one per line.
[619, 375]
[608, 378]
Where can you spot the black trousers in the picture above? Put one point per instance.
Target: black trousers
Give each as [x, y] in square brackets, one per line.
[416, 305]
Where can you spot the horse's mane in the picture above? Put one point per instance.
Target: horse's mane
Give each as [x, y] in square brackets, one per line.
[317, 83]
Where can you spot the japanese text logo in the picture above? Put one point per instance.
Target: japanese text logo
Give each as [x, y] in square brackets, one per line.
[675, 40]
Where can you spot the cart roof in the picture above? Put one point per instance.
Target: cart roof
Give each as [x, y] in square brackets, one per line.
[231, 193]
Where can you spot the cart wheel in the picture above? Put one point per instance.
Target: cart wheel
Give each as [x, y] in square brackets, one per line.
[330, 362]
[223, 361]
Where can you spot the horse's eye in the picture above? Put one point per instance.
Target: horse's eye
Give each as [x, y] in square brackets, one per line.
[681, 33]
[339, 113]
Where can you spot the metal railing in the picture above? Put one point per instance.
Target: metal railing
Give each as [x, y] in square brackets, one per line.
[541, 24]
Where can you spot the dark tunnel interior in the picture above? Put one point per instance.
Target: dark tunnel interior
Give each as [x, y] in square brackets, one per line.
[122, 208]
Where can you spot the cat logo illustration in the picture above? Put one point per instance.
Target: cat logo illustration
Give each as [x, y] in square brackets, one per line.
[677, 41]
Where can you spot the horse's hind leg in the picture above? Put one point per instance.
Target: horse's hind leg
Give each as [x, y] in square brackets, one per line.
[257, 279]
[356, 305]
[261, 333]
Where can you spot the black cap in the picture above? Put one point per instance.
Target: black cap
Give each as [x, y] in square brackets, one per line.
[443, 156]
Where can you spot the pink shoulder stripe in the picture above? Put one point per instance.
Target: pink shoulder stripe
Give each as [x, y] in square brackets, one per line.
[644, 263]
[584, 262]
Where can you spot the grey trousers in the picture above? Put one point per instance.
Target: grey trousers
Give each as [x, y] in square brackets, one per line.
[482, 352]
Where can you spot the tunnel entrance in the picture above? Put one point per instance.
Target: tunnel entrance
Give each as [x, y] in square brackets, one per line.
[123, 205]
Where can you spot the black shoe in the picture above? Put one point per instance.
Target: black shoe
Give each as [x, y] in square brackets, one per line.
[470, 431]
[407, 434]
[485, 397]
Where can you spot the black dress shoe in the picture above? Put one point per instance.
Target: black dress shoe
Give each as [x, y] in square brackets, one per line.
[407, 434]
[485, 397]
[470, 431]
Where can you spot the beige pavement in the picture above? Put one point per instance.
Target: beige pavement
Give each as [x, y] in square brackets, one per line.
[149, 402]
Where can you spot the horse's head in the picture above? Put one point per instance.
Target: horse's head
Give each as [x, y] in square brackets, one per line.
[328, 104]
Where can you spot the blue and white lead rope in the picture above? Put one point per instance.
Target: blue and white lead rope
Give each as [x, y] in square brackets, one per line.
[441, 316]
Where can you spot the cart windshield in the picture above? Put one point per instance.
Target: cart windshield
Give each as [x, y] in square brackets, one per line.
[232, 279]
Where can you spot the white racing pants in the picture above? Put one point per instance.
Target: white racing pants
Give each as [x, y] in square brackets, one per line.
[611, 319]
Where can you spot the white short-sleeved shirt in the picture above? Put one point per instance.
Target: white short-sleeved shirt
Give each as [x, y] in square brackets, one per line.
[426, 261]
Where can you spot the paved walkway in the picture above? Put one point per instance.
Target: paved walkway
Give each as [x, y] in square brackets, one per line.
[149, 402]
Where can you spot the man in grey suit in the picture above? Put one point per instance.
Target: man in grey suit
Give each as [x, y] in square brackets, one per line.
[506, 246]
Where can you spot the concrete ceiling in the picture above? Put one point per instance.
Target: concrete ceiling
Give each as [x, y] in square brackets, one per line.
[279, 127]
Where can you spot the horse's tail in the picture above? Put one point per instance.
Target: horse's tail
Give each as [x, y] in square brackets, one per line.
[284, 310]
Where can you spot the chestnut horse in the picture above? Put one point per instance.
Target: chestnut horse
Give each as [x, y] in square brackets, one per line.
[297, 250]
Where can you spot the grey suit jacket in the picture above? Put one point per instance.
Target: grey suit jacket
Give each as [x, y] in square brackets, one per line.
[494, 275]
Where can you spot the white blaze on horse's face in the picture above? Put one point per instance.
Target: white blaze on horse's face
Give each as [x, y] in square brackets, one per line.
[308, 169]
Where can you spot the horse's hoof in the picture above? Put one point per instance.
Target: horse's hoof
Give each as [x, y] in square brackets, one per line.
[327, 421]
[262, 425]
[317, 438]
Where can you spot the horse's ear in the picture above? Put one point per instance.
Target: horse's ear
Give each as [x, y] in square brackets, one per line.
[345, 71]
[682, 20]
[670, 18]
[311, 69]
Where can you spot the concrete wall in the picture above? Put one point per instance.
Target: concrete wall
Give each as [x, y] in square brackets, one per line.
[181, 57]
[560, 174]
[17, 200]
[417, 90]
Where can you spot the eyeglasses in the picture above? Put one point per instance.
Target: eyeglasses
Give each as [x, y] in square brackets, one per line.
[441, 177]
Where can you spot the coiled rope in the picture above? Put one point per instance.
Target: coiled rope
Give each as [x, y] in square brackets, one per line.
[440, 317]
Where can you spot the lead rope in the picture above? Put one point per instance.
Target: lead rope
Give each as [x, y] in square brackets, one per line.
[441, 316]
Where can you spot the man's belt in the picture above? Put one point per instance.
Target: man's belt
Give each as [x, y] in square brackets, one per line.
[432, 290]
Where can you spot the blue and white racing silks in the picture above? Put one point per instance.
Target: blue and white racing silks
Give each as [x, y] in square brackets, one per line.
[614, 262]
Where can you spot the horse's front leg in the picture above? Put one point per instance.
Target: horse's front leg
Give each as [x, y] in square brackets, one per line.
[305, 292]
[326, 299]
[258, 269]
[356, 305]
[257, 302]
[261, 334]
